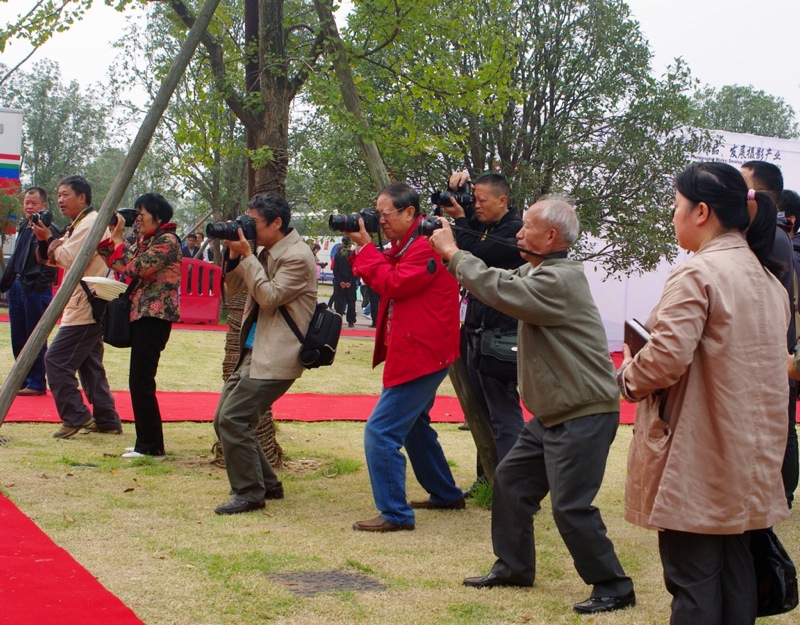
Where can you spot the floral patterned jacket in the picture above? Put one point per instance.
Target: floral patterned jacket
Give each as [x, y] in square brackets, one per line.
[155, 261]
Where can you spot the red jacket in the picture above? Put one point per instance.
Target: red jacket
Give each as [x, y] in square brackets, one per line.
[418, 326]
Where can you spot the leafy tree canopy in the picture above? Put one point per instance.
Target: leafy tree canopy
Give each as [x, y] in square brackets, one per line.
[745, 109]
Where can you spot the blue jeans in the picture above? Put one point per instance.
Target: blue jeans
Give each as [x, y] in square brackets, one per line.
[400, 418]
[24, 312]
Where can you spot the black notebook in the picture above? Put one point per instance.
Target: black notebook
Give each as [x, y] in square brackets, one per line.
[636, 335]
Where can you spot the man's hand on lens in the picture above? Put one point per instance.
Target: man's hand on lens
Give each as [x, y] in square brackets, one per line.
[240, 247]
[361, 237]
[442, 240]
[40, 231]
[455, 210]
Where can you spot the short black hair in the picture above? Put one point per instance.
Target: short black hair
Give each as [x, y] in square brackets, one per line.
[402, 195]
[271, 206]
[497, 183]
[79, 185]
[156, 205]
[790, 205]
[192, 236]
[42, 193]
[768, 176]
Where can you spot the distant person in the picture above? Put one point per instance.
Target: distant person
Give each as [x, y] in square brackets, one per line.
[417, 337]
[78, 345]
[280, 274]
[566, 379]
[154, 262]
[190, 248]
[789, 206]
[704, 466]
[30, 290]
[344, 277]
[767, 177]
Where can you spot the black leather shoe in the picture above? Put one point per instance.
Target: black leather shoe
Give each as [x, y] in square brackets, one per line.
[236, 506]
[594, 605]
[490, 580]
[276, 492]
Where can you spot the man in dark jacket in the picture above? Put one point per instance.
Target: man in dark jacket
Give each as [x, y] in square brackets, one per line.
[343, 276]
[30, 289]
[490, 216]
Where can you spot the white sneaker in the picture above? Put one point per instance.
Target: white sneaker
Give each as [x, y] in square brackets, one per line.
[133, 455]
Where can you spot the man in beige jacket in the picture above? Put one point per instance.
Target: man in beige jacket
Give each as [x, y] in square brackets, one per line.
[78, 345]
[283, 273]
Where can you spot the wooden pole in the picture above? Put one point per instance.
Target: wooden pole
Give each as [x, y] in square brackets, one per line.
[138, 148]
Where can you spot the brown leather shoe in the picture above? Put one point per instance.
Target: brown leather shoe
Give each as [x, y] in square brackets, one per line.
[66, 431]
[30, 392]
[94, 428]
[427, 504]
[380, 524]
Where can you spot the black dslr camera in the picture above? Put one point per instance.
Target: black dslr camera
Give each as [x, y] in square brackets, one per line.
[228, 230]
[128, 214]
[463, 195]
[349, 223]
[46, 217]
[428, 225]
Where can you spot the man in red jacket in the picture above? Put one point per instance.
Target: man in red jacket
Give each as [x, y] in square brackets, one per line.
[418, 337]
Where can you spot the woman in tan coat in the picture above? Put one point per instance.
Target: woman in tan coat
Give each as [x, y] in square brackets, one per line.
[704, 466]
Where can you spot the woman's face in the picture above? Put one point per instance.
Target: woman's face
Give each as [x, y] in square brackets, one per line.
[683, 223]
[145, 222]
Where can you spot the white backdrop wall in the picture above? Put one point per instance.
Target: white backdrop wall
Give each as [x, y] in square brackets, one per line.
[619, 298]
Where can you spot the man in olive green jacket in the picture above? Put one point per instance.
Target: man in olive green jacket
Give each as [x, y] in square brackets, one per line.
[566, 379]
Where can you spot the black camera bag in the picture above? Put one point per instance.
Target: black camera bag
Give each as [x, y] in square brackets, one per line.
[319, 343]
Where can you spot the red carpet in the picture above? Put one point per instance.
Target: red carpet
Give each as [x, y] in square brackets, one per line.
[42, 584]
[291, 407]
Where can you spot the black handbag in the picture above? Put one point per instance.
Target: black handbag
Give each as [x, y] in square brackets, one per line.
[319, 343]
[97, 304]
[117, 320]
[496, 354]
[776, 576]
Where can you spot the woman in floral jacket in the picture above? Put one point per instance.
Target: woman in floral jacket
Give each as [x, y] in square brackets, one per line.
[154, 261]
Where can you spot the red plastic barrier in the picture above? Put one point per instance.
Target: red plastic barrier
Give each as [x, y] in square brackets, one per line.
[59, 280]
[201, 291]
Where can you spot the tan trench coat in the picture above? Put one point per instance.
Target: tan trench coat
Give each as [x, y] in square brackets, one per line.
[710, 430]
[286, 275]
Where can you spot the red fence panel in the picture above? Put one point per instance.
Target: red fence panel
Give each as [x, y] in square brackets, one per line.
[201, 291]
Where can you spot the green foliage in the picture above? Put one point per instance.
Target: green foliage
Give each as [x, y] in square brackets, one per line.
[745, 109]
[556, 96]
[481, 494]
[341, 466]
[63, 128]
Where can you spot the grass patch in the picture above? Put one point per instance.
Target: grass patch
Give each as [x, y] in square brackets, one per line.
[481, 492]
[341, 466]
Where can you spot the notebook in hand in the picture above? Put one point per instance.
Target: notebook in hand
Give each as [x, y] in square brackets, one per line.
[636, 335]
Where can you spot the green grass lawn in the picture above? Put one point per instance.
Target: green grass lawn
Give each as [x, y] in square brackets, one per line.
[147, 530]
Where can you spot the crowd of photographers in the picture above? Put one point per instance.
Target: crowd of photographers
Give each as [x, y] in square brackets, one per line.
[710, 461]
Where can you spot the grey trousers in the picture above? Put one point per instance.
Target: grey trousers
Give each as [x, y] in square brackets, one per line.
[80, 349]
[242, 401]
[568, 461]
[711, 578]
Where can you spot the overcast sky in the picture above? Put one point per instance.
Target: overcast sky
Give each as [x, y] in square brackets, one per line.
[723, 41]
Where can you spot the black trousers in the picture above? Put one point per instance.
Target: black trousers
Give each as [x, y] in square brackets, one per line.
[568, 461]
[710, 577]
[149, 336]
[790, 471]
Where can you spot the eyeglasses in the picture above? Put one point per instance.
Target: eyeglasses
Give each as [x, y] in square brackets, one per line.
[388, 214]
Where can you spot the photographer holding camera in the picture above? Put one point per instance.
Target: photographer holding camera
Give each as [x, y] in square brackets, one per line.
[30, 286]
[417, 336]
[281, 274]
[78, 345]
[488, 214]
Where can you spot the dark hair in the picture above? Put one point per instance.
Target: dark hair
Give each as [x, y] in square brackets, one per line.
[768, 177]
[497, 183]
[724, 189]
[192, 236]
[402, 195]
[79, 185]
[156, 205]
[271, 206]
[790, 205]
[42, 193]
